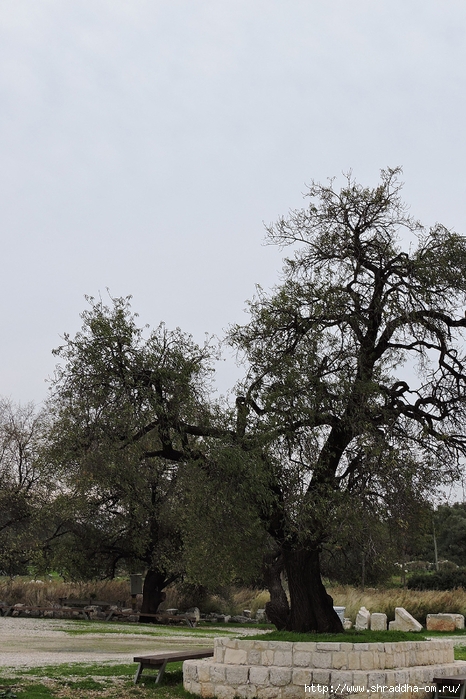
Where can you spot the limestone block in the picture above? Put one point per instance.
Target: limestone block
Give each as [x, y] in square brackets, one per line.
[222, 692]
[304, 645]
[282, 658]
[367, 661]
[236, 674]
[207, 690]
[217, 673]
[254, 657]
[354, 660]
[203, 671]
[261, 616]
[378, 622]
[328, 646]
[190, 670]
[267, 693]
[259, 675]
[322, 659]
[301, 658]
[279, 676]
[235, 657]
[444, 622]
[302, 676]
[363, 619]
[340, 660]
[404, 621]
[246, 691]
[347, 623]
[267, 657]
[320, 677]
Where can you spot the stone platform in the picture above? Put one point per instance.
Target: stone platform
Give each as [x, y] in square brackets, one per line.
[279, 670]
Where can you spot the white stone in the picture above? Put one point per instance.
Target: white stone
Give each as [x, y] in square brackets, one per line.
[363, 619]
[404, 621]
[378, 622]
[444, 622]
[347, 623]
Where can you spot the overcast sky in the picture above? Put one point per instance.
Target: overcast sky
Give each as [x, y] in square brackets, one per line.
[144, 143]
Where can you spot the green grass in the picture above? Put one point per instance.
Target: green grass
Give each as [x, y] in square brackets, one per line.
[81, 680]
[346, 637]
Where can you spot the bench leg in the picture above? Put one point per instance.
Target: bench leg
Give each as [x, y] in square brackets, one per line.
[143, 666]
[138, 673]
[161, 672]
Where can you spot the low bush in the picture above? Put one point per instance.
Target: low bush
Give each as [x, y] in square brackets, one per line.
[447, 579]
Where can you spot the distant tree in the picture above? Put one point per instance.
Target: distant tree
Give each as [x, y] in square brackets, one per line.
[133, 425]
[25, 485]
[450, 525]
[327, 388]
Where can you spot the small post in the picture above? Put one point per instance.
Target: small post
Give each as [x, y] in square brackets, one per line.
[136, 589]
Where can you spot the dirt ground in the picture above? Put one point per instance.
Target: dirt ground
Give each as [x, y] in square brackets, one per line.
[35, 642]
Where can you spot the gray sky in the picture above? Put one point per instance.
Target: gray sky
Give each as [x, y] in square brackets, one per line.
[143, 143]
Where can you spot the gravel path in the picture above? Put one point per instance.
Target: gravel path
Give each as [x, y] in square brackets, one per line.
[35, 642]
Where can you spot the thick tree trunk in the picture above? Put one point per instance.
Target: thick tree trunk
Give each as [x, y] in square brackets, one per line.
[152, 595]
[277, 609]
[311, 608]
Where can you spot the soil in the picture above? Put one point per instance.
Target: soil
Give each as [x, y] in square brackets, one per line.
[36, 642]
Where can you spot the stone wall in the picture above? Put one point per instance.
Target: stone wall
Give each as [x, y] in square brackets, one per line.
[279, 670]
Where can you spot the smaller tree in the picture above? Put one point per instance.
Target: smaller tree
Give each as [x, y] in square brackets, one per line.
[129, 407]
[26, 485]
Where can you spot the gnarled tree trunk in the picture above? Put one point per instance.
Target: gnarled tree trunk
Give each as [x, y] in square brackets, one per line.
[277, 609]
[311, 608]
[152, 595]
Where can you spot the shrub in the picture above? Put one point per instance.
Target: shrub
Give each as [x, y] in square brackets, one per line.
[447, 579]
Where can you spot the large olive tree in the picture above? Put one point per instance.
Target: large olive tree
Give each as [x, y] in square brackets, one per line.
[356, 380]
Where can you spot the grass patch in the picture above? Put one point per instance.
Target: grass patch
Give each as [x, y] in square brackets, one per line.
[345, 637]
[460, 652]
[84, 680]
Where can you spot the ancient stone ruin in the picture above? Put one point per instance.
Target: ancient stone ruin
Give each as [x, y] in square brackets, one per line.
[280, 670]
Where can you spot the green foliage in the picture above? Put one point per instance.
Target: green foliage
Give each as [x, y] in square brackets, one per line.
[450, 525]
[114, 401]
[440, 580]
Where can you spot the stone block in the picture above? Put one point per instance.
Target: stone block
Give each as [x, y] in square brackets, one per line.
[267, 657]
[282, 658]
[363, 619]
[235, 657]
[280, 676]
[354, 660]
[340, 660]
[320, 677]
[254, 657]
[444, 622]
[347, 623]
[222, 691]
[301, 676]
[267, 693]
[367, 661]
[378, 621]
[207, 690]
[217, 673]
[404, 621]
[203, 671]
[304, 645]
[246, 691]
[259, 675]
[236, 674]
[302, 658]
[322, 659]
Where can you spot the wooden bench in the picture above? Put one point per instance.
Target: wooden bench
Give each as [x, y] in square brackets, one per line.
[159, 661]
[450, 687]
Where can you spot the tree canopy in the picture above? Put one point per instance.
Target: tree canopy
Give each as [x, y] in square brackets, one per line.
[356, 372]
